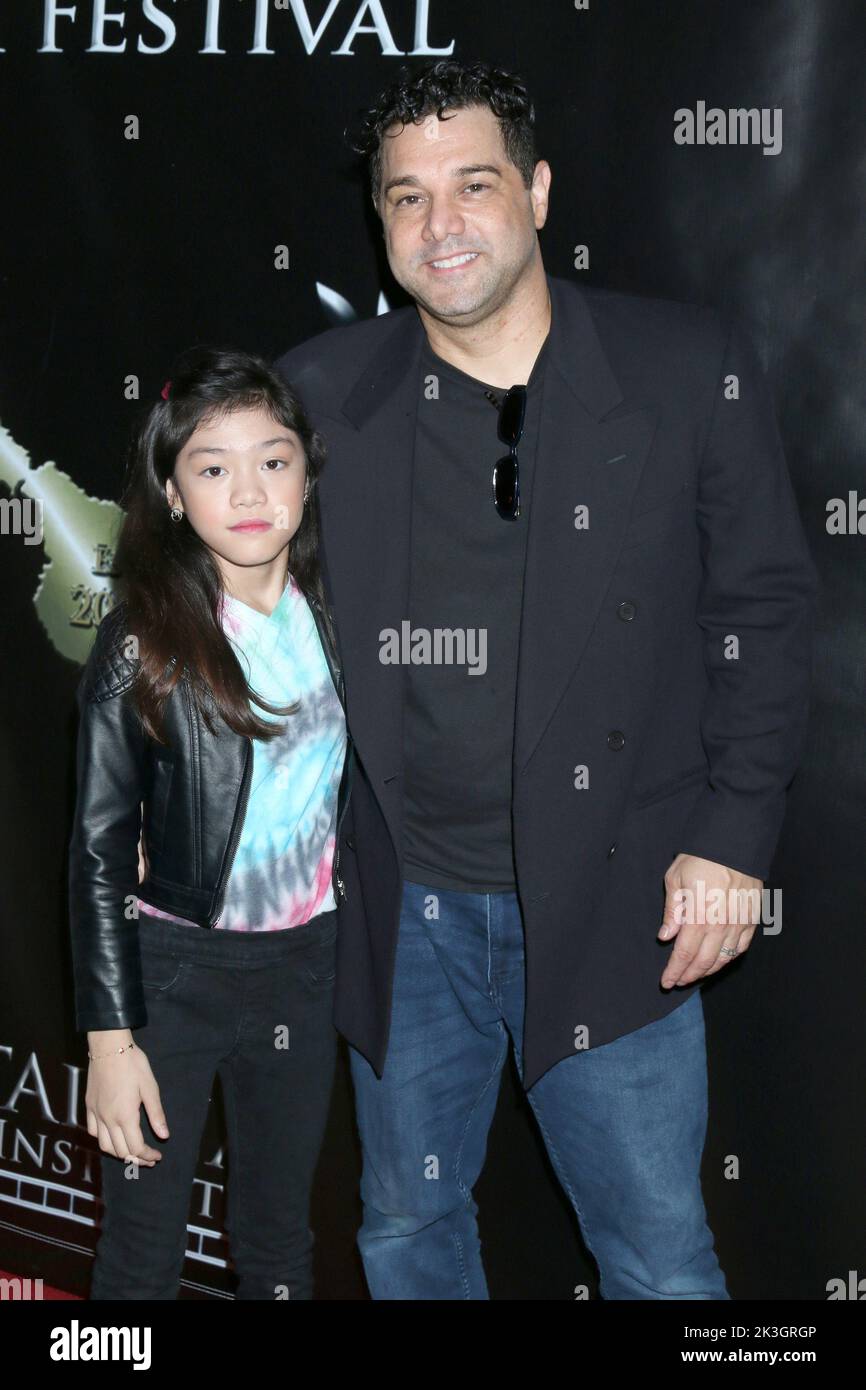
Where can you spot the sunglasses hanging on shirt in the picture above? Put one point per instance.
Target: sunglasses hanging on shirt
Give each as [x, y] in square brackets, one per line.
[506, 476]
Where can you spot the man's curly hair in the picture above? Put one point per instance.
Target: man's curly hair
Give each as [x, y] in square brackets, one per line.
[450, 85]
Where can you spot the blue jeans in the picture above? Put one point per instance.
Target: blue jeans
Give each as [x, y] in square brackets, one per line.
[624, 1123]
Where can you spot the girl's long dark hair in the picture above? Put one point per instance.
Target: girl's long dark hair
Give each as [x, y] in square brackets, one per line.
[171, 584]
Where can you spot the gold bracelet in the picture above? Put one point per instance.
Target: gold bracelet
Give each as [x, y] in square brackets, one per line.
[116, 1053]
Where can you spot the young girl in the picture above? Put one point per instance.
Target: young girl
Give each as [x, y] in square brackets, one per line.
[212, 752]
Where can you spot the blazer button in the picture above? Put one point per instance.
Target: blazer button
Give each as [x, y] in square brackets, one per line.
[626, 611]
[612, 851]
[615, 739]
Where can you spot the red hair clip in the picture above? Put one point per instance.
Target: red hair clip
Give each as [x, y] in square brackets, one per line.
[164, 391]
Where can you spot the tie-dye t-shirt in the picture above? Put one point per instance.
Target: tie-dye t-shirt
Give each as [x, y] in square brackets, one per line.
[281, 872]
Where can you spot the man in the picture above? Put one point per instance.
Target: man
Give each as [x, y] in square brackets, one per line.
[573, 691]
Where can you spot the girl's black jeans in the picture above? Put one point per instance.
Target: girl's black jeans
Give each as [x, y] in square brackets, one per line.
[256, 1008]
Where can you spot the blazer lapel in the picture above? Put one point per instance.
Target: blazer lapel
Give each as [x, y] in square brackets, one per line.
[589, 457]
[367, 561]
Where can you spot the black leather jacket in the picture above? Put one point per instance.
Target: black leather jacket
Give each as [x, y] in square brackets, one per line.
[193, 796]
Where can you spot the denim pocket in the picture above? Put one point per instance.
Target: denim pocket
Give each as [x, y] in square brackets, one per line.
[320, 965]
[161, 973]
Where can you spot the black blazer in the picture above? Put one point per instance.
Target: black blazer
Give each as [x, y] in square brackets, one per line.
[694, 537]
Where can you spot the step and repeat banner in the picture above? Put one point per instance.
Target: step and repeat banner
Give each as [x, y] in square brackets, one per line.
[178, 172]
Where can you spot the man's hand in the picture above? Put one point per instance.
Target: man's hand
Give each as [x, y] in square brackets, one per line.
[708, 907]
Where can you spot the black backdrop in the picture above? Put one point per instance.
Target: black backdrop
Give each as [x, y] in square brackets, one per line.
[119, 251]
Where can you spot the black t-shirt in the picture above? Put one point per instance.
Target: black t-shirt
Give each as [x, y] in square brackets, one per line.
[466, 576]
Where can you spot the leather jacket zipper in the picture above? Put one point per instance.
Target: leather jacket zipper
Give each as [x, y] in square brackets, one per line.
[339, 686]
[240, 813]
[350, 750]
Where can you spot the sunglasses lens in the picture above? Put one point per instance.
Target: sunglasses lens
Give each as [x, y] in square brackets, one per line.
[511, 416]
[505, 487]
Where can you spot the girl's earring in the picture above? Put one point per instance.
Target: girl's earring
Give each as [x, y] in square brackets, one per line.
[306, 496]
[176, 514]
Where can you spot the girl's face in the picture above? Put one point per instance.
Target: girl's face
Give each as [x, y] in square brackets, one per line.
[242, 469]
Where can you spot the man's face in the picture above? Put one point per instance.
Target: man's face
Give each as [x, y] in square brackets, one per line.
[436, 202]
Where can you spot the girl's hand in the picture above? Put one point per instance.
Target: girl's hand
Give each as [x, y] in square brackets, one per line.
[117, 1086]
